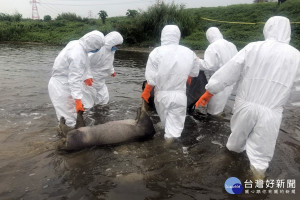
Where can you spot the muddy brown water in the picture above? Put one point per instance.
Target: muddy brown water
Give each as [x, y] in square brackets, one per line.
[194, 167]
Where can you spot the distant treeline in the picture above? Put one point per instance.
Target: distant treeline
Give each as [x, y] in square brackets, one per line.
[143, 28]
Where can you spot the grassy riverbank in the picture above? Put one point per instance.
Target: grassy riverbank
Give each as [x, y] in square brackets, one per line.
[143, 30]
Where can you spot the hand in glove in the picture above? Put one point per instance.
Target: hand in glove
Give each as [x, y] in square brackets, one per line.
[204, 99]
[89, 82]
[146, 93]
[78, 105]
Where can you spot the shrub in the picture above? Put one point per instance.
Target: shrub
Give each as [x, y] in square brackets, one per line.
[148, 25]
[69, 17]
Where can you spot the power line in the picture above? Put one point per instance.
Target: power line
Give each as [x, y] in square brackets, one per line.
[91, 0]
[95, 4]
[49, 8]
[53, 7]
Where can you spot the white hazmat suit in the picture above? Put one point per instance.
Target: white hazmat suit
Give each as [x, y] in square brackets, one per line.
[168, 68]
[266, 71]
[215, 56]
[101, 65]
[69, 71]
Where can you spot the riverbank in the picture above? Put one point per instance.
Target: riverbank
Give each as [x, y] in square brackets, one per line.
[148, 50]
[121, 48]
[239, 24]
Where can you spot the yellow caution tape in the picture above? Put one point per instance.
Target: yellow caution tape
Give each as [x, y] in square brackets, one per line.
[249, 23]
[229, 22]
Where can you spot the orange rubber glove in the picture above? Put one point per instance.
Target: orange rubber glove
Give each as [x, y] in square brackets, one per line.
[78, 105]
[146, 93]
[89, 82]
[204, 99]
[189, 80]
[113, 74]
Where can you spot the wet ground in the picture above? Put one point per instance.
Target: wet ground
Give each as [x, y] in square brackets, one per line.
[194, 167]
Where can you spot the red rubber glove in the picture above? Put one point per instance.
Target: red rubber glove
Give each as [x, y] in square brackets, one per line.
[189, 80]
[204, 99]
[146, 93]
[89, 82]
[78, 105]
[113, 74]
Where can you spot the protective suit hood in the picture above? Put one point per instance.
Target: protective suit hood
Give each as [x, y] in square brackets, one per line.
[213, 34]
[93, 40]
[278, 28]
[170, 35]
[113, 38]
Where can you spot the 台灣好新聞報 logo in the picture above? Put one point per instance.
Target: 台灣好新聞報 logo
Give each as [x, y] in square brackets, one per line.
[233, 186]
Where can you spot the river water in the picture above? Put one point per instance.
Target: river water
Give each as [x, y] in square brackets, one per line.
[195, 167]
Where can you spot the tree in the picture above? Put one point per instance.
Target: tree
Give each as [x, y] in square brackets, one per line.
[132, 13]
[47, 18]
[103, 15]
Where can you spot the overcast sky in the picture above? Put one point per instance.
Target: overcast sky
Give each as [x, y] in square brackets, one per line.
[86, 8]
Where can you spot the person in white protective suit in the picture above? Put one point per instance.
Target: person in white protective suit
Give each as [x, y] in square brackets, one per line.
[215, 56]
[101, 65]
[167, 70]
[266, 72]
[70, 73]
